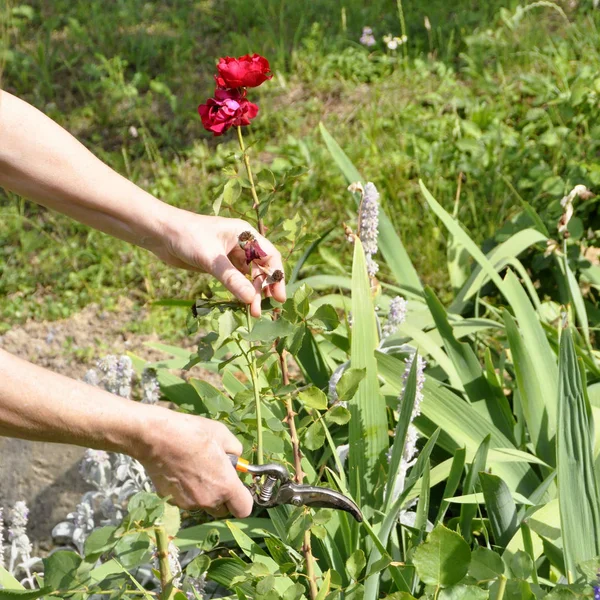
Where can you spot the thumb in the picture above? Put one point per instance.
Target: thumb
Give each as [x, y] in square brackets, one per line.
[233, 280]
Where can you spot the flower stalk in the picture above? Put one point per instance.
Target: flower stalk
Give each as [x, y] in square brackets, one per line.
[298, 475]
[257, 401]
[256, 201]
[162, 550]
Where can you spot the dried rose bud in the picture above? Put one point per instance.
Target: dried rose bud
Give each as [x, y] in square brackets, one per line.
[276, 276]
[249, 244]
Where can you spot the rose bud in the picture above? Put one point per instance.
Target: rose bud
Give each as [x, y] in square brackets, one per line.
[249, 244]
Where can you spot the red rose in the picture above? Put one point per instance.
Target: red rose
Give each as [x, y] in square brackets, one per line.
[245, 71]
[229, 108]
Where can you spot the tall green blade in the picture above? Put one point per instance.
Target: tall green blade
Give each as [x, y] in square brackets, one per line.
[404, 419]
[537, 407]
[462, 425]
[368, 423]
[390, 244]
[501, 508]
[469, 369]
[578, 495]
[499, 257]
[469, 511]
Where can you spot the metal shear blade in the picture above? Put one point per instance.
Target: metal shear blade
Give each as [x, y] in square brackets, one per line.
[267, 494]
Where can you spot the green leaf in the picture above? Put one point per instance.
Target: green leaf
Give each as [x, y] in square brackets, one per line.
[578, 495]
[327, 317]
[443, 559]
[315, 436]
[461, 423]
[467, 513]
[133, 549]
[338, 415]
[100, 541]
[313, 397]
[14, 594]
[452, 482]
[324, 586]
[301, 299]
[355, 564]
[368, 425]
[214, 400]
[501, 508]
[498, 258]
[267, 331]
[311, 361]
[171, 520]
[8, 582]
[200, 535]
[60, 570]
[486, 565]
[470, 371]
[521, 565]
[348, 384]
[226, 570]
[464, 592]
[390, 244]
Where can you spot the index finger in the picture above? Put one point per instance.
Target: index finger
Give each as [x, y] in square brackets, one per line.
[274, 262]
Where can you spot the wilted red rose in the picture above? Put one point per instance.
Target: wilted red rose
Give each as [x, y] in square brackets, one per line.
[229, 108]
[245, 71]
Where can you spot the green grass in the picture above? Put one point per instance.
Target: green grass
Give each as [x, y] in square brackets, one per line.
[512, 103]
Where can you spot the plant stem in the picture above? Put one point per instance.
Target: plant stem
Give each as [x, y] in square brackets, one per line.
[299, 474]
[256, 205]
[501, 587]
[310, 568]
[166, 579]
[257, 400]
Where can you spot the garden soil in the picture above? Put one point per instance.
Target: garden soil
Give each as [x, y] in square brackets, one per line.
[46, 475]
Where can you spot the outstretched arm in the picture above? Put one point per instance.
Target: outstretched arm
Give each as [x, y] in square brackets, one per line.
[184, 455]
[41, 161]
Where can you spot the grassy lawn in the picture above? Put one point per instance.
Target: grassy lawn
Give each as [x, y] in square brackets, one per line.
[503, 98]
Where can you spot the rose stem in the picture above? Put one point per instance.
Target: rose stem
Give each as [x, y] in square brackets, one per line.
[162, 546]
[299, 475]
[256, 205]
[257, 401]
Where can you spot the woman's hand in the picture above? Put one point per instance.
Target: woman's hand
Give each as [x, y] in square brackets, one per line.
[210, 244]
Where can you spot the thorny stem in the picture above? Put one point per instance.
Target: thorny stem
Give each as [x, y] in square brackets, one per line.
[256, 205]
[257, 401]
[162, 548]
[299, 474]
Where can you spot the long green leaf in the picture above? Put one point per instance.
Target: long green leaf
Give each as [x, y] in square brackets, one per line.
[404, 420]
[455, 229]
[461, 423]
[194, 536]
[578, 495]
[390, 244]
[456, 473]
[368, 424]
[470, 372]
[537, 345]
[534, 404]
[468, 511]
[498, 258]
[391, 516]
[501, 508]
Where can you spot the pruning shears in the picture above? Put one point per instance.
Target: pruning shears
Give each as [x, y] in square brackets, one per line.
[267, 493]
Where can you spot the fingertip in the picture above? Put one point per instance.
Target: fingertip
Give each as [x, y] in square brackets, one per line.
[279, 292]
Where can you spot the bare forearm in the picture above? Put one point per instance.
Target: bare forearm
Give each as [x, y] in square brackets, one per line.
[41, 161]
[39, 405]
